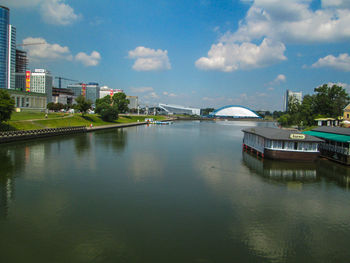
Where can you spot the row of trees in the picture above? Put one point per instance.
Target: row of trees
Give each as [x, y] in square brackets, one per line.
[328, 101]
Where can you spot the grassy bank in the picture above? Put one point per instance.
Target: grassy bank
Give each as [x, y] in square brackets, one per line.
[37, 120]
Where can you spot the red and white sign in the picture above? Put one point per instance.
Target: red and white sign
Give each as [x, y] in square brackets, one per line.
[111, 92]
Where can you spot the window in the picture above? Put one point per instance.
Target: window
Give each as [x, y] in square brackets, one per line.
[295, 146]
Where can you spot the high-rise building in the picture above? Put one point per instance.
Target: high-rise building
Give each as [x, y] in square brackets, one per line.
[4, 43]
[41, 82]
[297, 95]
[90, 91]
[7, 50]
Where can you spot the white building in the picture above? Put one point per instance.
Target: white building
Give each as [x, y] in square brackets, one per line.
[133, 102]
[105, 90]
[11, 58]
[177, 109]
[289, 94]
[41, 82]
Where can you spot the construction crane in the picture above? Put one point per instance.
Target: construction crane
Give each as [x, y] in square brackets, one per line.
[60, 81]
[30, 44]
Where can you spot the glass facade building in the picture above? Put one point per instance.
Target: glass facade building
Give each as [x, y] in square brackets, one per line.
[4, 43]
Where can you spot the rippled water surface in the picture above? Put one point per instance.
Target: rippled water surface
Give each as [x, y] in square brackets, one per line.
[179, 193]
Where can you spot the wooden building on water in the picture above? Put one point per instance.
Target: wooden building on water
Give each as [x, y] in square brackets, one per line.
[336, 143]
[281, 144]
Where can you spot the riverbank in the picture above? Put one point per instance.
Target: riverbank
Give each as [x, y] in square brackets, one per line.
[37, 120]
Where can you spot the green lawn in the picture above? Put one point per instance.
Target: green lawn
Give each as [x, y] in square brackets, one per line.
[37, 120]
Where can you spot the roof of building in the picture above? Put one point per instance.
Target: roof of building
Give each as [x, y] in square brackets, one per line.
[235, 111]
[335, 130]
[281, 134]
[329, 136]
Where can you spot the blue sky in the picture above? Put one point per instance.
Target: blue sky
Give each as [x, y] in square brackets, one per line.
[201, 53]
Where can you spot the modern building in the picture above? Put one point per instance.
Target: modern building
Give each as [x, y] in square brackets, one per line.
[21, 61]
[64, 96]
[90, 91]
[234, 111]
[133, 102]
[29, 100]
[41, 82]
[289, 94]
[4, 44]
[177, 109]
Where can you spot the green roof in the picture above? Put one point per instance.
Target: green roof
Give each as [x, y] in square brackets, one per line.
[329, 136]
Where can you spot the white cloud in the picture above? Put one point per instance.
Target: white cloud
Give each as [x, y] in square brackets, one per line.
[229, 56]
[58, 13]
[165, 93]
[336, 3]
[45, 50]
[277, 81]
[21, 3]
[148, 59]
[141, 89]
[55, 12]
[342, 62]
[88, 60]
[293, 21]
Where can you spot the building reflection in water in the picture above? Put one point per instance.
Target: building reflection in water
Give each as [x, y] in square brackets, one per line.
[279, 171]
[6, 182]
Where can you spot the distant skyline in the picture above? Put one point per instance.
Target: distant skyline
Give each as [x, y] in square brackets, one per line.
[193, 53]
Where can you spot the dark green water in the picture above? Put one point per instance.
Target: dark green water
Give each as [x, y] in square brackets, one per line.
[179, 193]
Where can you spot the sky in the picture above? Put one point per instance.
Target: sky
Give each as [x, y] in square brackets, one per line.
[199, 53]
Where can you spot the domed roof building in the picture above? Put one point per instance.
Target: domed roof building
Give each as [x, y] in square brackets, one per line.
[235, 111]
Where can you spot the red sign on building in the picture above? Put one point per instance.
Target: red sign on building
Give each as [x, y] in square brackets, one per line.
[111, 92]
[28, 80]
[83, 88]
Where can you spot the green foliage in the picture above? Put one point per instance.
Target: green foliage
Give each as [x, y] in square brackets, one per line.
[326, 102]
[55, 106]
[7, 105]
[107, 111]
[83, 105]
[119, 99]
[285, 120]
[206, 111]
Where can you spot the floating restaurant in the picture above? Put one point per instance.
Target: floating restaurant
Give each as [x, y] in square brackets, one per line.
[281, 144]
[336, 143]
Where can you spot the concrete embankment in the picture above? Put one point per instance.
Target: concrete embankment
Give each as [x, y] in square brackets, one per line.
[11, 136]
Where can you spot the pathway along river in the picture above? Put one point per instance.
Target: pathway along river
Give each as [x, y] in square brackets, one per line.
[178, 193]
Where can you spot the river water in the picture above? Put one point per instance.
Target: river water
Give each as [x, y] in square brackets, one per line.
[179, 193]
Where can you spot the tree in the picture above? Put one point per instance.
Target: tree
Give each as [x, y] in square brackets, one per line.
[330, 101]
[107, 109]
[83, 104]
[119, 99]
[7, 105]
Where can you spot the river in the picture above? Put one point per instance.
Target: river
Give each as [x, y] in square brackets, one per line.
[175, 193]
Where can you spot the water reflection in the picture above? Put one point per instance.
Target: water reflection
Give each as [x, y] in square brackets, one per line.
[6, 182]
[115, 139]
[338, 173]
[279, 171]
[82, 143]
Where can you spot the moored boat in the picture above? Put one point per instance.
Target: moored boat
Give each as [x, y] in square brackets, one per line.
[281, 144]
